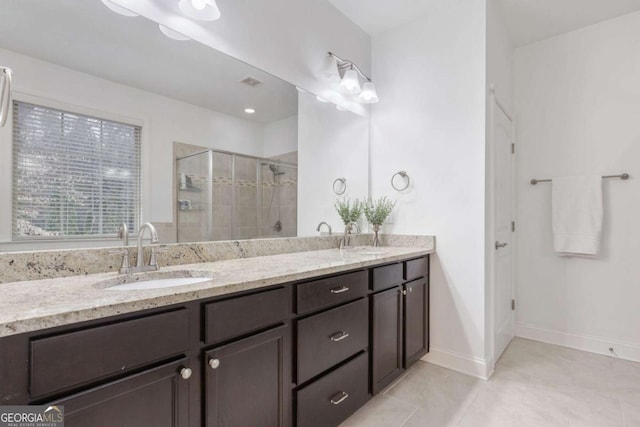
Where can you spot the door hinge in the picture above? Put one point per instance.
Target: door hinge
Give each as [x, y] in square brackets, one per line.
[513, 304]
[513, 226]
[513, 148]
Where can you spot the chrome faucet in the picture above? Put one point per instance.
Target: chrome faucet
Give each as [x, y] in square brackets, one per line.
[123, 233]
[153, 264]
[346, 239]
[324, 223]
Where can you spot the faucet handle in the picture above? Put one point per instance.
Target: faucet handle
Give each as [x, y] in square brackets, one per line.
[155, 250]
[124, 252]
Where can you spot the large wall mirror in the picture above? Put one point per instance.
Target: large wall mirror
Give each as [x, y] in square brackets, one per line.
[113, 121]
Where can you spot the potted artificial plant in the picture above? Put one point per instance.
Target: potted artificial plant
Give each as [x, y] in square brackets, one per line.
[377, 211]
[350, 213]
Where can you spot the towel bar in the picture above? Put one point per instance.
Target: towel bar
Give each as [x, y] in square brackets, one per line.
[623, 176]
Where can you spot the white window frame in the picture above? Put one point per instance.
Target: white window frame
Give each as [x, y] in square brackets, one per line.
[6, 175]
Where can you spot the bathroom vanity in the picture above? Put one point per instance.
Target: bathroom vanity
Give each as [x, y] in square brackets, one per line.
[307, 345]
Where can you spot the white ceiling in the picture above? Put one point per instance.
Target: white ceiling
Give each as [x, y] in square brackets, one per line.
[86, 36]
[527, 20]
[533, 20]
[378, 16]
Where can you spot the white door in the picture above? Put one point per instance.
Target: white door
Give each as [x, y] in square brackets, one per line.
[504, 315]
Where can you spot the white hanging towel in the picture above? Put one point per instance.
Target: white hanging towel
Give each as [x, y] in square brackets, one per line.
[577, 212]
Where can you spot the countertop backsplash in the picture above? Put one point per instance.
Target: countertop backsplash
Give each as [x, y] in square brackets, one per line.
[35, 265]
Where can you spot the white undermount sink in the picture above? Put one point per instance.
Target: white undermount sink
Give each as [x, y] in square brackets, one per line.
[154, 280]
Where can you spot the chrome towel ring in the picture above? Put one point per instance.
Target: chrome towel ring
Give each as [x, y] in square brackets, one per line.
[405, 176]
[343, 186]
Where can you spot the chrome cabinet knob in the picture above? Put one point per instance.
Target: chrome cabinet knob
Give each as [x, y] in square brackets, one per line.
[214, 363]
[185, 373]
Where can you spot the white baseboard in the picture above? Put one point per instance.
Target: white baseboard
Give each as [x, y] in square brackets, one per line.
[598, 345]
[469, 365]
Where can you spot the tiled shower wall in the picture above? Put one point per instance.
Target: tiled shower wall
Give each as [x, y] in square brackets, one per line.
[276, 200]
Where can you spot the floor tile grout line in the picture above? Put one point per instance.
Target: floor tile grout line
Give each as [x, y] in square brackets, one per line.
[622, 417]
[396, 382]
[409, 417]
[411, 405]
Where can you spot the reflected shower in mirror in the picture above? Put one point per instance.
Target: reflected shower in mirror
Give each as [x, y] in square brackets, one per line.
[224, 196]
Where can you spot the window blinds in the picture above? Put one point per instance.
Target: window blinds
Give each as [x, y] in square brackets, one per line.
[74, 176]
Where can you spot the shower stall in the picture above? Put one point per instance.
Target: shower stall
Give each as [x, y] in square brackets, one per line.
[229, 196]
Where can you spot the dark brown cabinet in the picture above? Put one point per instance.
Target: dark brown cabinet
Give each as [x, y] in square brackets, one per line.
[247, 382]
[158, 397]
[416, 321]
[399, 320]
[386, 337]
[308, 353]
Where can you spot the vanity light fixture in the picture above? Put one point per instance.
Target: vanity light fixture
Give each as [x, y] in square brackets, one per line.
[350, 80]
[172, 34]
[118, 9]
[368, 94]
[201, 10]
[250, 110]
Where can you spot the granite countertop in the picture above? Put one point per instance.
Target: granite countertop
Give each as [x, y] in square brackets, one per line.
[39, 304]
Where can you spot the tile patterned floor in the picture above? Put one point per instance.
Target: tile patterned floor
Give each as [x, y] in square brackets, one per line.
[535, 384]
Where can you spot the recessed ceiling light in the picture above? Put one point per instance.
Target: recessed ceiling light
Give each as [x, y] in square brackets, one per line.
[118, 9]
[249, 110]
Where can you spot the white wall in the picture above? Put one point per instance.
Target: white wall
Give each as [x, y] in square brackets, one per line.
[164, 121]
[289, 39]
[431, 122]
[578, 104]
[332, 144]
[280, 137]
[500, 51]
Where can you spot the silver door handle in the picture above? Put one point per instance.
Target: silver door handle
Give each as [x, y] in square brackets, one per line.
[5, 95]
[500, 245]
[339, 290]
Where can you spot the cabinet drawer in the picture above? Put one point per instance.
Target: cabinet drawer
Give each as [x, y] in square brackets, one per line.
[330, 291]
[416, 268]
[387, 276]
[331, 337]
[237, 316]
[332, 398]
[71, 359]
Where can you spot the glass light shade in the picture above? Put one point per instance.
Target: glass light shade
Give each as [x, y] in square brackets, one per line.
[172, 34]
[330, 69]
[118, 9]
[368, 94]
[350, 82]
[201, 10]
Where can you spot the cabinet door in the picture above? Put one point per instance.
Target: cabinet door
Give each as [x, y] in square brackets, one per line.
[157, 397]
[416, 317]
[386, 338]
[248, 381]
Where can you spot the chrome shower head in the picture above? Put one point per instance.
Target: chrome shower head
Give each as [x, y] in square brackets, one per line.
[275, 169]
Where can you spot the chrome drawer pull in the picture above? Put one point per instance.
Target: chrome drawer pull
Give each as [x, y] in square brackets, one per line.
[343, 396]
[339, 336]
[339, 290]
